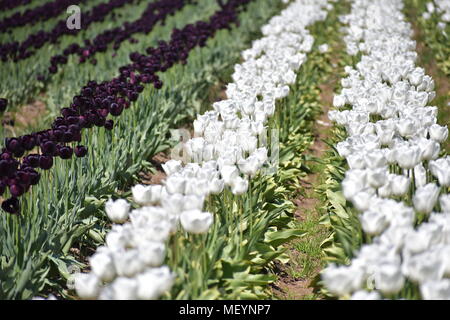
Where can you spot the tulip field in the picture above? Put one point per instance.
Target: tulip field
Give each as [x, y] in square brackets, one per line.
[225, 149]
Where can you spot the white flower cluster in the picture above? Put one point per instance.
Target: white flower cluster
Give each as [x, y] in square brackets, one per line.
[227, 150]
[390, 158]
[440, 8]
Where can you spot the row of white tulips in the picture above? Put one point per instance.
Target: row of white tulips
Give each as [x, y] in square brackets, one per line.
[227, 150]
[441, 8]
[394, 157]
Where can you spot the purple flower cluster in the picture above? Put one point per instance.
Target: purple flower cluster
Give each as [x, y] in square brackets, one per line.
[97, 101]
[11, 4]
[155, 12]
[41, 13]
[3, 104]
[22, 50]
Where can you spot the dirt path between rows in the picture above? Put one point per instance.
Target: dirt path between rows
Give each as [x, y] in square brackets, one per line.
[308, 206]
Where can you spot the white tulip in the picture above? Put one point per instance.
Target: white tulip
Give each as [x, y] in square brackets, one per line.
[152, 253]
[127, 262]
[407, 157]
[436, 290]
[361, 200]
[117, 210]
[239, 186]
[440, 168]
[196, 221]
[373, 222]
[400, 185]
[389, 278]
[102, 266]
[339, 101]
[141, 194]
[193, 201]
[172, 166]
[216, 186]
[229, 173]
[425, 198]
[377, 177]
[438, 133]
[87, 285]
[124, 288]
[342, 280]
[175, 184]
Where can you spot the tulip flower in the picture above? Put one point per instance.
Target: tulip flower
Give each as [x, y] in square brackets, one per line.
[102, 265]
[196, 221]
[440, 168]
[152, 253]
[127, 262]
[176, 184]
[436, 289]
[389, 278]
[154, 282]
[239, 186]
[171, 167]
[400, 185]
[342, 280]
[117, 210]
[407, 157]
[373, 222]
[425, 198]
[438, 133]
[142, 194]
[87, 286]
[124, 288]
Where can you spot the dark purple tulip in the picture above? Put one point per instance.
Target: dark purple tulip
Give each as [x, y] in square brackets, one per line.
[67, 136]
[13, 144]
[65, 152]
[80, 151]
[45, 162]
[83, 121]
[6, 155]
[109, 124]
[32, 160]
[48, 148]
[34, 177]
[115, 109]
[73, 120]
[19, 152]
[28, 142]
[16, 190]
[158, 84]
[4, 168]
[23, 176]
[3, 104]
[11, 205]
